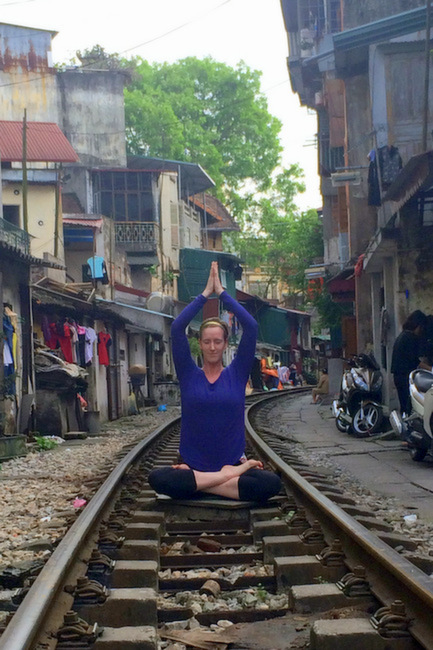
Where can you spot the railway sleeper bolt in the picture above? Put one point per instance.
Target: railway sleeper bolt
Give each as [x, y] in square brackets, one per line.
[126, 498]
[332, 555]
[132, 483]
[100, 563]
[87, 591]
[298, 519]
[289, 505]
[392, 622]
[313, 535]
[115, 523]
[75, 631]
[211, 588]
[355, 585]
[121, 510]
[129, 493]
[109, 538]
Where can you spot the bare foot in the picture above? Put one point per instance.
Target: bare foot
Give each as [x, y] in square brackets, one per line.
[181, 466]
[231, 471]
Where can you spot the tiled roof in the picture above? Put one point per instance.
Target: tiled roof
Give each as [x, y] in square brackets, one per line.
[45, 143]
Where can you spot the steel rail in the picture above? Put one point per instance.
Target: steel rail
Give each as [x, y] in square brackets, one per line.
[419, 585]
[24, 626]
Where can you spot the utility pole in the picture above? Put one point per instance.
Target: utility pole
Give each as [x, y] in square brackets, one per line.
[426, 76]
[57, 211]
[25, 209]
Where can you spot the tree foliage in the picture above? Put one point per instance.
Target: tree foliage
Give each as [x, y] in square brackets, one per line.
[277, 237]
[203, 111]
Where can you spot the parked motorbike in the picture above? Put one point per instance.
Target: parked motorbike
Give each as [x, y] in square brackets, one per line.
[416, 428]
[358, 409]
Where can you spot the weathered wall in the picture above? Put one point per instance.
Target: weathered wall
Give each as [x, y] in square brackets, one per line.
[362, 218]
[415, 277]
[360, 13]
[42, 210]
[27, 76]
[91, 106]
[169, 227]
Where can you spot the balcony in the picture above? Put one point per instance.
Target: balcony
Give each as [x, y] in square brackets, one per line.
[137, 236]
[14, 237]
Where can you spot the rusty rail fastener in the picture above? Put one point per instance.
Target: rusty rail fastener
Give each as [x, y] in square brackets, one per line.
[313, 535]
[109, 538]
[332, 555]
[355, 585]
[88, 591]
[298, 519]
[100, 563]
[74, 629]
[392, 622]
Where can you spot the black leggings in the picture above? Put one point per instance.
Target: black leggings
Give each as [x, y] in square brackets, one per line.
[253, 485]
[401, 382]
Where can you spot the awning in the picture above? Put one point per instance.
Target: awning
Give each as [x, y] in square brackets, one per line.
[45, 143]
[415, 176]
[192, 177]
[95, 222]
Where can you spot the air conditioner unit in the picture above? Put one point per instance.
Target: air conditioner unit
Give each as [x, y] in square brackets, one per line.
[341, 178]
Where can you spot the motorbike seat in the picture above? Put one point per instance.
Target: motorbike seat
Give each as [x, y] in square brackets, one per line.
[423, 380]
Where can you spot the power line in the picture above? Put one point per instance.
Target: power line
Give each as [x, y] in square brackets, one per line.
[152, 40]
[16, 2]
[175, 29]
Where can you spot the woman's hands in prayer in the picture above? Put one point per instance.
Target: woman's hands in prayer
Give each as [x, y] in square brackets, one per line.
[213, 283]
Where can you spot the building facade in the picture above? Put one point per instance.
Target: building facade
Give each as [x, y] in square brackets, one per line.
[364, 73]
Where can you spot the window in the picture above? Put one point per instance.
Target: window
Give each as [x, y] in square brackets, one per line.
[320, 16]
[11, 214]
[223, 274]
[174, 220]
[124, 195]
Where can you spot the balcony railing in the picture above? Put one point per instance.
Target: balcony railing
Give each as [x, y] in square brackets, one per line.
[137, 235]
[15, 237]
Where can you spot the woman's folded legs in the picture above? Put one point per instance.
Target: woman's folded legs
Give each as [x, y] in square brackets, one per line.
[244, 482]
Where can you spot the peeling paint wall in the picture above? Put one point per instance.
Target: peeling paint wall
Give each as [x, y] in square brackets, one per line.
[27, 75]
[415, 281]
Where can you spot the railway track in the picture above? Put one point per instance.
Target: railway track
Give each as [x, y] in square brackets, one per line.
[135, 570]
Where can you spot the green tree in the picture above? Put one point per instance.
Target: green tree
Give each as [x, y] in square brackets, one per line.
[279, 238]
[203, 111]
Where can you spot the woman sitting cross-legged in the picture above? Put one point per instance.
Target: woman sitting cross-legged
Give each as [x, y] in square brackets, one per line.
[212, 438]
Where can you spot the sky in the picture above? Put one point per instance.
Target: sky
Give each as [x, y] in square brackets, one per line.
[168, 30]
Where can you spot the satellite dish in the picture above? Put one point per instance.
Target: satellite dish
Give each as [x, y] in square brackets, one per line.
[158, 301]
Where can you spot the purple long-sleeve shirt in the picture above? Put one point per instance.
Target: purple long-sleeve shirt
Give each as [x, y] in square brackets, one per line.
[213, 430]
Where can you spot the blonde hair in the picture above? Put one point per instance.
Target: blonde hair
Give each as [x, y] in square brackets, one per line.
[215, 322]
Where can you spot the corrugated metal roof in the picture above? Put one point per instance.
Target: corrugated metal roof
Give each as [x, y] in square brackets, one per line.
[193, 178]
[45, 143]
[214, 208]
[381, 30]
[95, 223]
[416, 175]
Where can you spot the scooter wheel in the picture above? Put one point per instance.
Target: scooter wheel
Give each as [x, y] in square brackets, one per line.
[367, 421]
[418, 454]
[341, 425]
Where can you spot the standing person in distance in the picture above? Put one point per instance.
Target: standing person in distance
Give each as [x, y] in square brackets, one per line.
[212, 439]
[406, 354]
